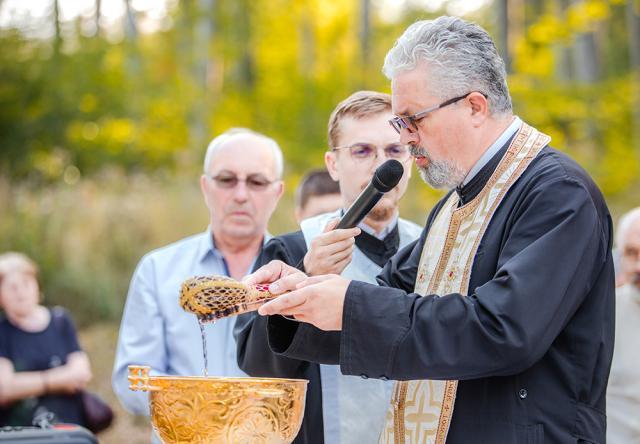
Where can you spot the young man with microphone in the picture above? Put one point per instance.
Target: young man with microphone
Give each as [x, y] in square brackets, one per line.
[341, 409]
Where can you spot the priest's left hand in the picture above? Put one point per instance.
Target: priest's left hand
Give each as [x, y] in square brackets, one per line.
[317, 300]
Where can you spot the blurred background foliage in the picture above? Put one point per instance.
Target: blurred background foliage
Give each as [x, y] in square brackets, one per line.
[105, 117]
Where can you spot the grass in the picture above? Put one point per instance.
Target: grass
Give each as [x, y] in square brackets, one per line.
[99, 341]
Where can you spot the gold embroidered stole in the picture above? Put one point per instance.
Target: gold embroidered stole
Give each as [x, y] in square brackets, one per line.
[421, 411]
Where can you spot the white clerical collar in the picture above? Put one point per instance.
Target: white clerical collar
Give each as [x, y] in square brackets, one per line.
[493, 149]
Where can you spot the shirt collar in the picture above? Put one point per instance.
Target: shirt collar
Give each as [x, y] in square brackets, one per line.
[367, 229]
[208, 246]
[493, 149]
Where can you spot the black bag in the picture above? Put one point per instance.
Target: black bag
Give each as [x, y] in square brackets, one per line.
[97, 413]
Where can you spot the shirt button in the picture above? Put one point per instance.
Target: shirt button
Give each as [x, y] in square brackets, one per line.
[363, 376]
[384, 378]
[522, 393]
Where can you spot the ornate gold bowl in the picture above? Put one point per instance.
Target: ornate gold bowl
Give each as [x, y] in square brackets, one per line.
[222, 410]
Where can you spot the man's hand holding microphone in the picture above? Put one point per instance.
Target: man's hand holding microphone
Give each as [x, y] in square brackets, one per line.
[319, 299]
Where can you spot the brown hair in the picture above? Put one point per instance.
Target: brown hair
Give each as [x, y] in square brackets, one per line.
[17, 262]
[315, 183]
[358, 105]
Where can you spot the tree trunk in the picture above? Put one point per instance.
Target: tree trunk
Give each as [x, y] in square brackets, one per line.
[131, 27]
[246, 64]
[57, 40]
[202, 36]
[562, 54]
[365, 38]
[502, 17]
[97, 17]
[586, 58]
[633, 27]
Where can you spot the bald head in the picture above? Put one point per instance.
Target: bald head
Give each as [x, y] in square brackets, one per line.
[238, 137]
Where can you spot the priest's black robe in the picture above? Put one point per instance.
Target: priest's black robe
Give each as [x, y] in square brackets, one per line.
[531, 343]
[253, 352]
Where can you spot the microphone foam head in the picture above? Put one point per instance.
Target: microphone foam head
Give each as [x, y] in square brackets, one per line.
[387, 175]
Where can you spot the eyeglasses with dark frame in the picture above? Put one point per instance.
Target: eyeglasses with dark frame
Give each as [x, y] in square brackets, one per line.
[361, 152]
[255, 182]
[409, 123]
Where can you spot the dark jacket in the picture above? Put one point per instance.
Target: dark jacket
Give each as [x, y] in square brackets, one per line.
[254, 355]
[256, 358]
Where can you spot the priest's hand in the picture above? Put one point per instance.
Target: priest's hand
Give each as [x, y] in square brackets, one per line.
[317, 300]
[279, 276]
[331, 251]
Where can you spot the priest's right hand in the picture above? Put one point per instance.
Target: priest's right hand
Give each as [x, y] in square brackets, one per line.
[330, 252]
[279, 276]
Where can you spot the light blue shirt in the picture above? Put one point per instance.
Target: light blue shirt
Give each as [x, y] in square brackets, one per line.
[493, 149]
[156, 332]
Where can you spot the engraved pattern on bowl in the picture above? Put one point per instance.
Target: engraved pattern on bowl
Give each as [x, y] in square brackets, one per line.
[224, 410]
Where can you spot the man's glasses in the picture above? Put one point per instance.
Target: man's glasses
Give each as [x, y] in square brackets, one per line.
[410, 122]
[363, 152]
[255, 182]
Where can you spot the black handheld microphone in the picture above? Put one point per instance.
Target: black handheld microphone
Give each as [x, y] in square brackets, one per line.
[384, 179]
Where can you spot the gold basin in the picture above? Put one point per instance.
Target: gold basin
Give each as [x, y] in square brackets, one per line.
[192, 409]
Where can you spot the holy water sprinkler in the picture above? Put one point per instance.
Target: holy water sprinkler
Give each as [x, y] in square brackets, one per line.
[216, 297]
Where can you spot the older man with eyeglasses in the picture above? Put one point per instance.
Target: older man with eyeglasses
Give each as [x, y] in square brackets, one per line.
[340, 409]
[498, 324]
[241, 184]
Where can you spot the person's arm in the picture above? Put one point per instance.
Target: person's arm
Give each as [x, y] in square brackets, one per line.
[555, 249]
[306, 342]
[77, 367]
[70, 377]
[15, 386]
[253, 352]
[141, 338]
[65, 379]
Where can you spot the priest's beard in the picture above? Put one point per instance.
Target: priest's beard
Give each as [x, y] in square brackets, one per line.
[438, 173]
[382, 211]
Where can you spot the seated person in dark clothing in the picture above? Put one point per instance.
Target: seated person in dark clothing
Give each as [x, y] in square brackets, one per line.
[340, 409]
[41, 364]
[317, 194]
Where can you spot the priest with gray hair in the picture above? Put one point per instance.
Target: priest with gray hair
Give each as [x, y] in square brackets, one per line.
[498, 323]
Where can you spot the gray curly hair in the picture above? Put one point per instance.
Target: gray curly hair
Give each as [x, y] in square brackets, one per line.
[461, 56]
